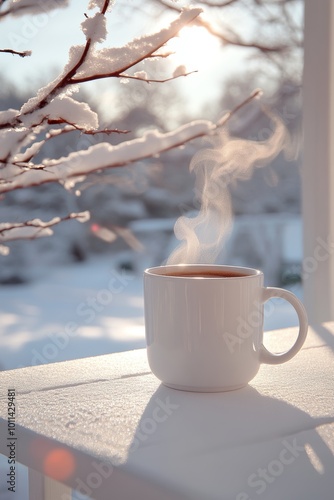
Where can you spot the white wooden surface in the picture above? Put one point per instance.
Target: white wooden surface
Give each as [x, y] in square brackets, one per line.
[123, 435]
[318, 160]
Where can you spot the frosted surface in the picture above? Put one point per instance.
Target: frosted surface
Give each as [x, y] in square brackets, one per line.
[213, 446]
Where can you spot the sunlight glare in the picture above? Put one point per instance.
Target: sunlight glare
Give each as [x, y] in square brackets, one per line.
[194, 47]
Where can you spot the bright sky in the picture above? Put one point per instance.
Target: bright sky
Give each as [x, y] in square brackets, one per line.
[50, 35]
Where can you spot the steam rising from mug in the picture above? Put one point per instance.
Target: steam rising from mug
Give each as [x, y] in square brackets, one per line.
[228, 160]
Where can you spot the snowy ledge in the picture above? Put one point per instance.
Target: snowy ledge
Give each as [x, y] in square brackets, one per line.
[119, 432]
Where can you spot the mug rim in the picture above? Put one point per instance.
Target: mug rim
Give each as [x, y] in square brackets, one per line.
[246, 272]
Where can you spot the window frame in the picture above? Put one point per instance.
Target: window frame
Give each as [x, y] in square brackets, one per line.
[318, 160]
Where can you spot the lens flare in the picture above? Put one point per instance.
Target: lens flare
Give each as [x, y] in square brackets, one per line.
[59, 464]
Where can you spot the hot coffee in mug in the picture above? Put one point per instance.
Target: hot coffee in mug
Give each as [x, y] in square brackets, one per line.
[204, 325]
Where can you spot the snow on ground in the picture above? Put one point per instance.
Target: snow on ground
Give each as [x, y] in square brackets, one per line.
[82, 310]
[76, 311]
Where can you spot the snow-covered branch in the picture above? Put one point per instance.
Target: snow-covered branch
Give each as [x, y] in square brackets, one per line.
[54, 111]
[54, 103]
[24, 132]
[87, 64]
[76, 166]
[31, 229]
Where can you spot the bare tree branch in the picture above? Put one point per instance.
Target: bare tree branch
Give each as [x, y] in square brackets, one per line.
[31, 8]
[232, 39]
[73, 127]
[25, 53]
[153, 80]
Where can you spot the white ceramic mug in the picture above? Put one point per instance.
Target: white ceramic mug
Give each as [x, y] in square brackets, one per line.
[204, 325]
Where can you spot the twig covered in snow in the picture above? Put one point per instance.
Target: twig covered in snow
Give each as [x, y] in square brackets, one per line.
[24, 132]
[35, 228]
[76, 166]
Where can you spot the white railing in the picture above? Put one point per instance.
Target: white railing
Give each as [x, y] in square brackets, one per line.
[30, 484]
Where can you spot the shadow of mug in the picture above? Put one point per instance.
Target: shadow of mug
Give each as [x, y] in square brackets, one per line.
[236, 445]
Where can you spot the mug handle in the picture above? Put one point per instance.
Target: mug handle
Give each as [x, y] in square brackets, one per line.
[275, 359]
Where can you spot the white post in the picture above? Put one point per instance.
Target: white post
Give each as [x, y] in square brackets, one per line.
[43, 488]
[318, 168]
[56, 491]
[36, 485]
